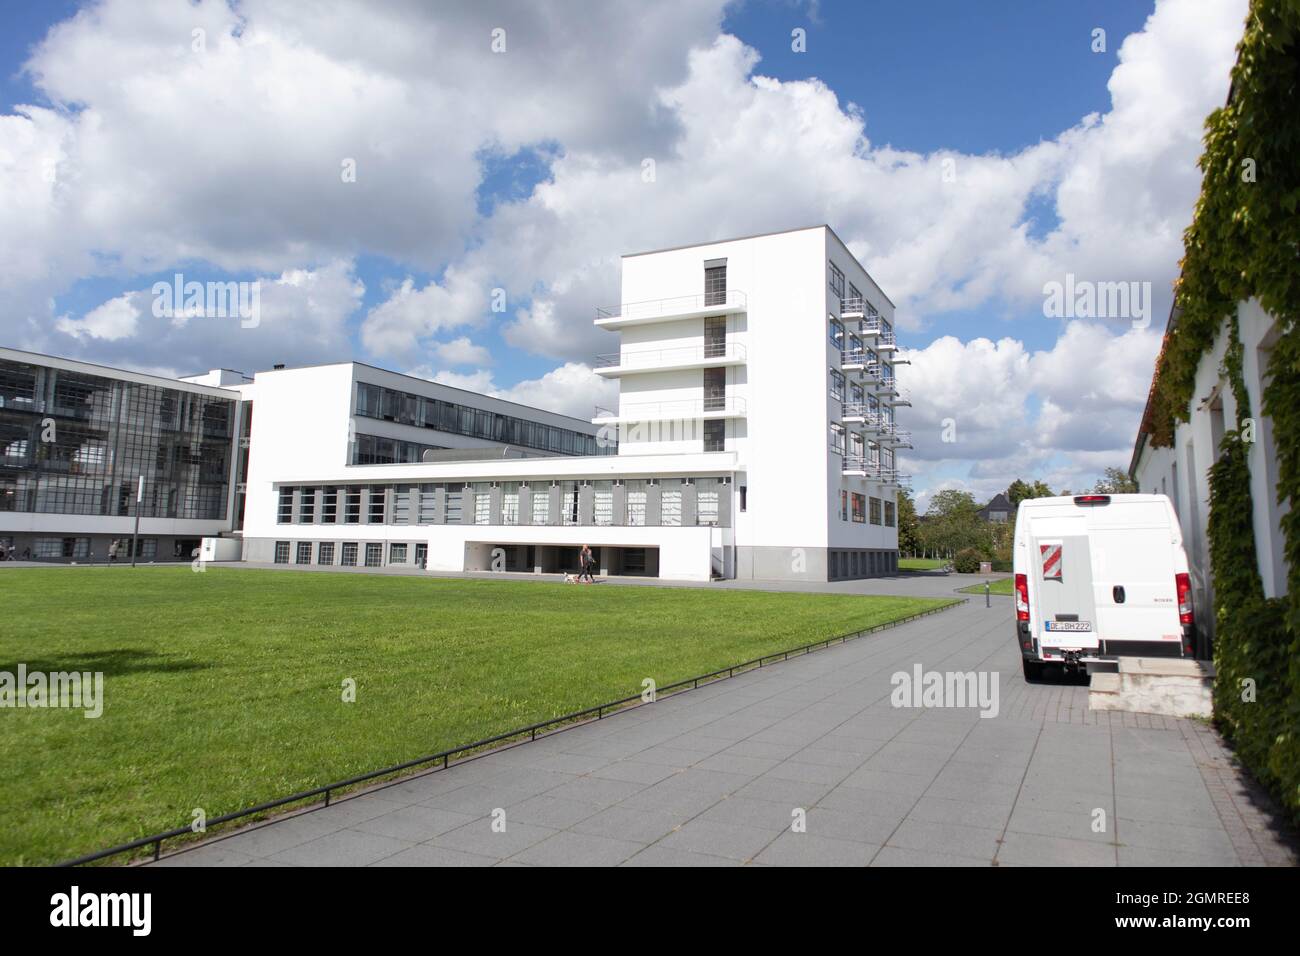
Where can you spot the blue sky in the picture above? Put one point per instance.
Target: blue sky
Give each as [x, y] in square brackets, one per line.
[219, 159]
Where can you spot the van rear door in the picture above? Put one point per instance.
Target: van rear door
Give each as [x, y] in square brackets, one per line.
[1133, 567]
[1067, 614]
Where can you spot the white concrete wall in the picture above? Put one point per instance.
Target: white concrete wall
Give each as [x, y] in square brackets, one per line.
[793, 480]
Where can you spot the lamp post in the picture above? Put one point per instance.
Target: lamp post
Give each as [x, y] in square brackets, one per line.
[135, 535]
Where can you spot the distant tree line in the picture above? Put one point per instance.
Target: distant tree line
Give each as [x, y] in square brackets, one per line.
[952, 527]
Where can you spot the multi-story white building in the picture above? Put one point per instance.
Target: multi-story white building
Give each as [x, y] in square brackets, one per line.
[754, 437]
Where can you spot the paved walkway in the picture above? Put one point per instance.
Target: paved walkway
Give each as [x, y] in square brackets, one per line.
[714, 777]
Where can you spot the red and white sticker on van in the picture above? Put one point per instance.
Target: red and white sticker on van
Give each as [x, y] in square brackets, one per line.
[1051, 557]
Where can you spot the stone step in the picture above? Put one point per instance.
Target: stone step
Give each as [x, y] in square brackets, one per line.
[1172, 687]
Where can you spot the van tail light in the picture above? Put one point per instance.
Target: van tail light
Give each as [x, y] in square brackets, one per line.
[1022, 597]
[1183, 583]
[1088, 500]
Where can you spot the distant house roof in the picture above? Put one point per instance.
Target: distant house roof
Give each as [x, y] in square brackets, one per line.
[999, 503]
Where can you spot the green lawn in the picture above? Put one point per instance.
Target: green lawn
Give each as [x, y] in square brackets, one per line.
[223, 689]
[920, 564]
[996, 586]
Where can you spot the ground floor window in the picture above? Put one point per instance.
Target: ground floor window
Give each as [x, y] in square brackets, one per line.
[421, 555]
[636, 499]
[707, 496]
[349, 553]
[510, 503]
[482, 506]
[325, 553]
[541, 501]
[47, 548]
[374, 554]
[397, 554]
[890, 519]
[670, 508]
[875, 511]
[603, 503]
[570, 505]
[304, 553]
[859, 507]
[282, 552]
[428, 503]
[61, 548]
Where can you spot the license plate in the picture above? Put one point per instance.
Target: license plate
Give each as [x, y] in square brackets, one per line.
[1067, 626]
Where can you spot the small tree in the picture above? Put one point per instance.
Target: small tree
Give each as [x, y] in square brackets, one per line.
[1116, 482]
[909, 540]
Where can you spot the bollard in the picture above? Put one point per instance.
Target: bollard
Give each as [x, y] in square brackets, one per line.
[986, 595]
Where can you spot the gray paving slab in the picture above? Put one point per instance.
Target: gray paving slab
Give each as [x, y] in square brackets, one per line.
[714, 777]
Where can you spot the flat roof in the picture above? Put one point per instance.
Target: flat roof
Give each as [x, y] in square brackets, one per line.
[428, 381]
[108, 371]
[762, 235]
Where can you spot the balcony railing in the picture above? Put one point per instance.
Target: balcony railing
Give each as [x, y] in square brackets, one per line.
[873, 323]
[855, 358]
[685, 355]
[732, 299]
[872, 470]
[857, 305]
[727, 405]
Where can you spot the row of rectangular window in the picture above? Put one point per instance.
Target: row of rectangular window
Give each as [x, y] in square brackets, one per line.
[863, 508]
[349, 553]
[417, 504]
[854, 564]
[386, 404]
[376, 450]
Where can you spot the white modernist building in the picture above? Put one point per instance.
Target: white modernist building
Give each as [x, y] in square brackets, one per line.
[754, 437]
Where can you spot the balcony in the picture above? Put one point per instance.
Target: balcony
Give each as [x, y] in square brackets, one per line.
[856, 307]
[709, 355]
[855, 413]
[857, 466]
[855, 360]
[665, 310]
[720, 406]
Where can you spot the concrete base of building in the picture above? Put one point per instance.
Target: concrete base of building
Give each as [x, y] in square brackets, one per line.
[814, 564]
[93, 548]
[759, 564]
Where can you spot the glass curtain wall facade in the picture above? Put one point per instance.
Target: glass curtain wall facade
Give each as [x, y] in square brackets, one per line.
[386, 404]
[72, 443]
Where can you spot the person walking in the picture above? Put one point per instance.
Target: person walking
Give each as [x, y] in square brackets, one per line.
[585, 562]
[112, 551]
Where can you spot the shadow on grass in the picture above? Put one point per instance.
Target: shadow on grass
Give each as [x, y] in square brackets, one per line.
[115, 661]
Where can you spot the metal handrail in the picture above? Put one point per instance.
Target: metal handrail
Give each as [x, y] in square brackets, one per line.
[857, 305]
[530, 731]
[650, 358]
[730, 299]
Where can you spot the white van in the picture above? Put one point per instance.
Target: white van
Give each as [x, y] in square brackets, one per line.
[1098, 577]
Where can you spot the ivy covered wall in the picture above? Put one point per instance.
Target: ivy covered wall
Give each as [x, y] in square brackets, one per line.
[1243, 244]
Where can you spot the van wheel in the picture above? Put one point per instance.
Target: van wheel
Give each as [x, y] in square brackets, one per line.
[1033, 669]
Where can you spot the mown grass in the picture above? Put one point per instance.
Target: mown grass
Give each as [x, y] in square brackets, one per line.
[920, 564]
[224, 689]
[996, 586]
